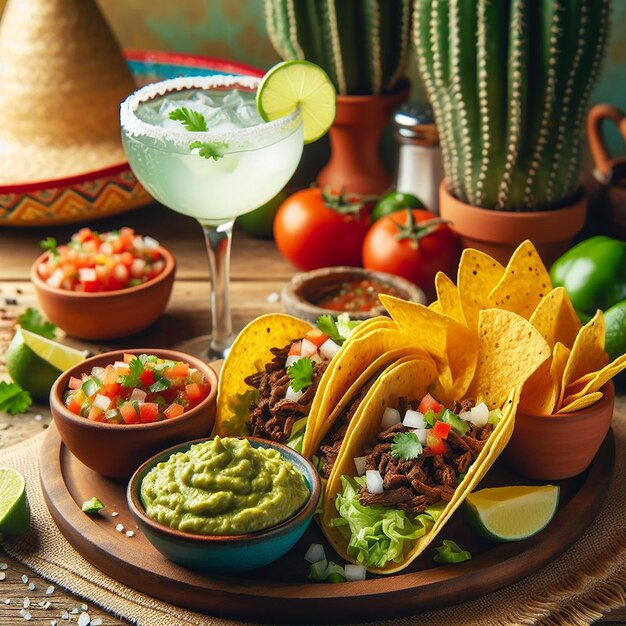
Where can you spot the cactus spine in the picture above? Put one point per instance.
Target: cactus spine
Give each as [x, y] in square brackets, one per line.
[362, 44]
[509, 82]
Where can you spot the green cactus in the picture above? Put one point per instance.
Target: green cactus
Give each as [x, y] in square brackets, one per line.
[509, 82]
[362, 44]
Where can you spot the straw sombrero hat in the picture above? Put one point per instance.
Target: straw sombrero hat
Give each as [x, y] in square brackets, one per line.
[62, 77]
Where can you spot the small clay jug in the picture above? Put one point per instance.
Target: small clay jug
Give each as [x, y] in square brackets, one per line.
[606, 187]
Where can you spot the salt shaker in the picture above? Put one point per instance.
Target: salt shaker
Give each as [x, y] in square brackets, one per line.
[419, 168]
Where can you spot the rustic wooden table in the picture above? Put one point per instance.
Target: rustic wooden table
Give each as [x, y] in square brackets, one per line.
[257, 275]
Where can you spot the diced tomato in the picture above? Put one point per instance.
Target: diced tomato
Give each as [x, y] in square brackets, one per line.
[179, 370]
[96, 414]
[74, 406]
[110, 375]
[129, 357]
[193, 391]
[75, 383]
[111, 390]
[147, 377]
[129, 414]
[295, 349]
[429, 403]
[316, 336]
[127, 258]
[435, 445]
[148, 412]
[441, 429]
[173, 410]
[91, 286]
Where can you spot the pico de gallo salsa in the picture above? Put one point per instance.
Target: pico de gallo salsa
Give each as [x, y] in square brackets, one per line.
[94, 262]
[355, 295]
[138, 390]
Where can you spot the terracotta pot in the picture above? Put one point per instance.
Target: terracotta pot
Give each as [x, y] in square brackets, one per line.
[354, 139]
[117, 450]
[553, 447]
[498, 233]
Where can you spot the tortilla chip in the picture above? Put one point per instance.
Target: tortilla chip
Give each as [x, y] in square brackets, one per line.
[248, 354]
[524, 283]
[588, 354]
[598, 379]
[510, 349]
[556, 319]
[448, 297]
[540, 392]
[560, 356]
[478, 274]
[581, 403]
[435, 306]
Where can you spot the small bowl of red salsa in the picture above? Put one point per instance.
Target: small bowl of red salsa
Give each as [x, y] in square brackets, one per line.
[116, 409]
[352, 290]
[103, 285]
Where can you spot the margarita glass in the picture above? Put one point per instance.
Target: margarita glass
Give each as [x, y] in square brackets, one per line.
[235, 166]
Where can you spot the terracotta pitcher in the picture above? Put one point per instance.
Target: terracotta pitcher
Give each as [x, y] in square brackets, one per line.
[607, 184]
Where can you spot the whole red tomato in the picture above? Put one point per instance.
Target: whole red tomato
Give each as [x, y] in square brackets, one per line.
[315, 228]
[412, 244]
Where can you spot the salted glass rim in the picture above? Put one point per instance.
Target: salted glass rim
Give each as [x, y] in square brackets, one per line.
[137, 128]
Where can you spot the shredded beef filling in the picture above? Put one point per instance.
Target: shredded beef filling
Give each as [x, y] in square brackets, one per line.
[273, 416]
[414, 484]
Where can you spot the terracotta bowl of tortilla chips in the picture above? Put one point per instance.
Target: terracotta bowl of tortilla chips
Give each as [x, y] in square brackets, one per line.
[553, 447]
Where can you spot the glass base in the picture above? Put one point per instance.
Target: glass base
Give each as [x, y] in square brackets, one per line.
[203, 347]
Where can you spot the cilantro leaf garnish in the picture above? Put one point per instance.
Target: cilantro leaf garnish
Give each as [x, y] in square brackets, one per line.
[450, 552]
[49, 244]
[132, 378]
[328, 326]
[33, 321]
[192, 120]
[301, 373]
[13, 399]
[209, 150]
[406, 446]
[161, 384]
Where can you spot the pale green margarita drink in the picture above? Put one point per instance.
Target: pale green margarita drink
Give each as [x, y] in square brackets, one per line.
[231, 167]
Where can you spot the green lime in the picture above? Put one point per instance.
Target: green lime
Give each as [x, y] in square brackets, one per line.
[34, 362]
[511, 513]
[14, 509]
[260, 222]
[615, 330]
[395, 201]
[292, 84]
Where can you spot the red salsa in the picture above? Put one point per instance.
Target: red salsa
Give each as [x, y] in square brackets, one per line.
[355, 295]
[138, 390]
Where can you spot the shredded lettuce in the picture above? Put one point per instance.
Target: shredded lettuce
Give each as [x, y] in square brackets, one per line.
[495, 415]
[345, 325]
[378, 535]
[239, 408]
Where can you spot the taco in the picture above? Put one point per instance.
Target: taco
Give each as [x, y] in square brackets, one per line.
[406, 465]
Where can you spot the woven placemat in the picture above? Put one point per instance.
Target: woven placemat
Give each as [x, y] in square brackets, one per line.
[575, 589]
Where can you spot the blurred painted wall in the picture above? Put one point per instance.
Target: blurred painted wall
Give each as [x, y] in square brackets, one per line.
[235, 29]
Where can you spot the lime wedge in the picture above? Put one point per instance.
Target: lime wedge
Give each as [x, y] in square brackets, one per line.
[14, 509]
[292, 84]
[511, 513]
[34, 362]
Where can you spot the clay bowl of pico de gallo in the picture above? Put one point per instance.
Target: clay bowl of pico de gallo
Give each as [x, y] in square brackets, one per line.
[343, 289]
[224, 504]
[103, 285]
[117, 409]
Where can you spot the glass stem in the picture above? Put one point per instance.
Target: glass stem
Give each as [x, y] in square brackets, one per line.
[218, 238]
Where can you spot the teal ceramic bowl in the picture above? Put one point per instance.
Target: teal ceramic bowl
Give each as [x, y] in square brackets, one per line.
[226, 553]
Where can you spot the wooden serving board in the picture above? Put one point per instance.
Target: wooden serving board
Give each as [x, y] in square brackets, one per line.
[281, 592]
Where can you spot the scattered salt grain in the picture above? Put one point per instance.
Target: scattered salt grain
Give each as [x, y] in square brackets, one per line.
[3, 566]
[31, 586]
[74, 611]
[47, 604]
[24, 578]
[50, 590]
[114, 514]
[119, 528]
[84, 607]
[130, 533]
[26, 602]
[53, 622]
[7, 601]
[38, 417]
[84, 619]
[96, 622]
[65, 615]
[2, 575]
[273, 297]
[26, 616]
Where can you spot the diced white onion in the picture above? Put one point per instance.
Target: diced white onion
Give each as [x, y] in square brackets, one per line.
[291, 359]
[138, 242]
[120, 365]
[150, 243]
[466, 415]
[102, 402]
[329, 349]
[292, 395]
[98, 372]
[374, 481]
[479, 415]
[359, 463]
[138, 395]
[87, 274]
[422, 433]
[315, 553]
[414, 419]
[308, 348]
[316, 358]
[137, 267]
[56, 279]
[354, 572]
[390, 418]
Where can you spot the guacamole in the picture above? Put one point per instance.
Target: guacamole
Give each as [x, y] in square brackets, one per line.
[223, 487]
